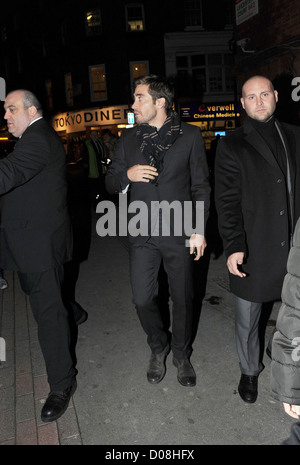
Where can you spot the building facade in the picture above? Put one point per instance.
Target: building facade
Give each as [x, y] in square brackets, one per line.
[80, 59]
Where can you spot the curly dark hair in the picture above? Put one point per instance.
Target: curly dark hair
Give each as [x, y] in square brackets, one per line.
[158, 87]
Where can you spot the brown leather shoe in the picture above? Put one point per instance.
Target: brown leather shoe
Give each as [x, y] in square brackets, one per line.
[157, 366]
[186, 374]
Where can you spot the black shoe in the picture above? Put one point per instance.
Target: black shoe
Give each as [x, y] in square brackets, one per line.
[57, 403]
[79, 315]
[186, 374]
[81, 318]
[157, 366]
[248, 388]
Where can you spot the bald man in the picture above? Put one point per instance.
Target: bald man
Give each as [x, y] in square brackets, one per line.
[35, 236]
[257, 200]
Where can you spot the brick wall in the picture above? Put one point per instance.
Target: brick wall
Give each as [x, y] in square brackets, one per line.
[276, 22]
[275, 39]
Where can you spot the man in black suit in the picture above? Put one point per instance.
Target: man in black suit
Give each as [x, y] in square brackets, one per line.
[35, 236]
[257, 200]
[162, 159]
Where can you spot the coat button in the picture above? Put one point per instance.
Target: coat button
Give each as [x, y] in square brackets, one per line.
[282, 212]
[279, 180]
[282, 243]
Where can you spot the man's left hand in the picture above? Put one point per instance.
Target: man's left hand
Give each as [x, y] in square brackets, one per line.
[197, 245]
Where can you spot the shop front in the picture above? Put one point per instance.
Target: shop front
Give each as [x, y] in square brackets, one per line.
[212, 119]
[74, 127]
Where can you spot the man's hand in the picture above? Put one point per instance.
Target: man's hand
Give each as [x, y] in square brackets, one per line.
[292, 410]
[197, 245]
[234, 260]
[142, 173]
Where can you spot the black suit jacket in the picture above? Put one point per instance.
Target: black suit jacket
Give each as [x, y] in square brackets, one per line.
[252, 201]
[35, 230]
[185, 177]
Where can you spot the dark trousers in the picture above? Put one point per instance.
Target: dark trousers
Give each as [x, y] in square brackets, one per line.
[145, 263]
[44, 291]
[247, 336]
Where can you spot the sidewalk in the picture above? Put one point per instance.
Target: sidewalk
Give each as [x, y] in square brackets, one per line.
[114, 404]
[23, 380]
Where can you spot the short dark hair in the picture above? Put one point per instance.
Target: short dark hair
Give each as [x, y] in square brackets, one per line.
[30, 99]
[158, 88]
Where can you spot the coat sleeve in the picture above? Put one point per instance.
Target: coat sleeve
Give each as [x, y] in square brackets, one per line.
[285, 365]
[29, 157]
[228, 199]
[200, 183]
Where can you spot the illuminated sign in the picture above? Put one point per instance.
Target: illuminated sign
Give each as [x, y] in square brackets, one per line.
[130, 117]
[205, 112]
[79, 121]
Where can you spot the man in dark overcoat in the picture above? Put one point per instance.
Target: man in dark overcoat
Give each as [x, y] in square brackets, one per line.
[257, 200]
[36, 238]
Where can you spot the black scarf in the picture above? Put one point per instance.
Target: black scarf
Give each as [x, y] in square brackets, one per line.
[154, 144]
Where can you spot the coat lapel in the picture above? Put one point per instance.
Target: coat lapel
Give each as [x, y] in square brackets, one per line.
[288, 140]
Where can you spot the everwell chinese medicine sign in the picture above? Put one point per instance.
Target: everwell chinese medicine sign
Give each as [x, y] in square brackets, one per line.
[205, 112]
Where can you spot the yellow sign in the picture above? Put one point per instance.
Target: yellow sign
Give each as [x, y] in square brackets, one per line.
[79, 121]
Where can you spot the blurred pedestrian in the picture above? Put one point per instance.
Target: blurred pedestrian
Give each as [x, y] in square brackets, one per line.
[95, 160]
[35, 236]
[111, 142]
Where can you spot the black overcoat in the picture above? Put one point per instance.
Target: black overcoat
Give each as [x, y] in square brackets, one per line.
[251, 194]
[35, 229]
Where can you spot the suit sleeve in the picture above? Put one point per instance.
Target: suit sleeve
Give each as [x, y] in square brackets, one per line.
[28, 158]
[116, 178]
[200, 184]
[228, 198]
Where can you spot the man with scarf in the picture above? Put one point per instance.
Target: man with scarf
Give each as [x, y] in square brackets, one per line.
[163, 160]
